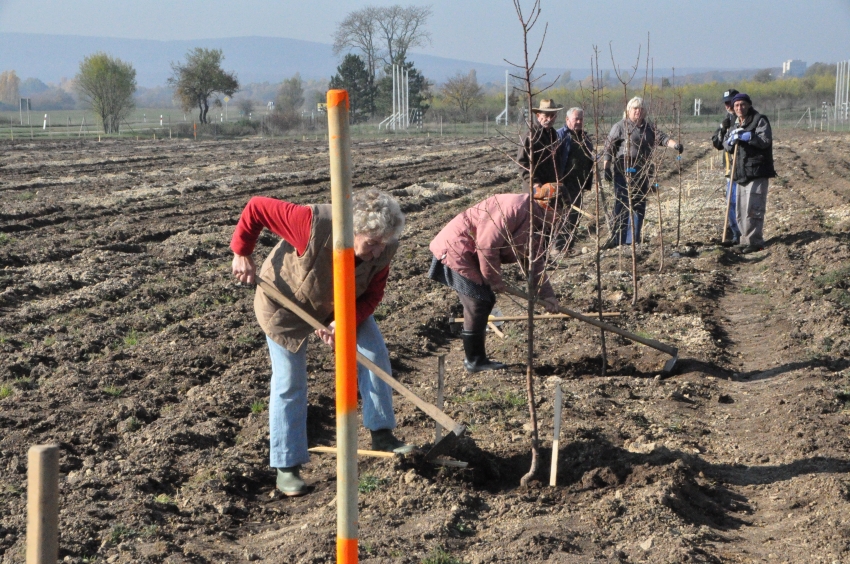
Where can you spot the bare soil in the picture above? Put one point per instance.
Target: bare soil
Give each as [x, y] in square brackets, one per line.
[124, 339]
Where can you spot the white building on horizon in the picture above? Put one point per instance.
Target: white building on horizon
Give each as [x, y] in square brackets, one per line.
[793, 67]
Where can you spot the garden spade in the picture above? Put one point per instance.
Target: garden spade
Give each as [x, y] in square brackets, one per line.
[441, 446]
[672, 351]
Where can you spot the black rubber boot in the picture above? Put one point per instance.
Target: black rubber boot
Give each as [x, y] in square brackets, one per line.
[476, 359]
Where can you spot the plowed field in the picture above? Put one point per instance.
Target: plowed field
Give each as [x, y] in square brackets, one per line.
[124, 339]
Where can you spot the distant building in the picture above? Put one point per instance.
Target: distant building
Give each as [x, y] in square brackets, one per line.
[793, 67]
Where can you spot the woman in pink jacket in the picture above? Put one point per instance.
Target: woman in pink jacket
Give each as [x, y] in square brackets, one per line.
[468, 257]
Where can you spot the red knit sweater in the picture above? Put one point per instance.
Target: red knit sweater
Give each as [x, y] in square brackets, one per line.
[294, 223]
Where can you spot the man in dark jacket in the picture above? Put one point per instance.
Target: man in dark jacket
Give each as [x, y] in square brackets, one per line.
[753, 138]
[733, 234]
[537, 154]
[575, 168]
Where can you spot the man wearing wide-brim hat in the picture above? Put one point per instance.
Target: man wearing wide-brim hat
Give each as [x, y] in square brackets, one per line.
[537, 154]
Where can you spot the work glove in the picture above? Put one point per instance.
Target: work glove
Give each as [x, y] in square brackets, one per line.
[631, 170]
[731, 137]
[679, 147]
[739, 135]
[609, 176]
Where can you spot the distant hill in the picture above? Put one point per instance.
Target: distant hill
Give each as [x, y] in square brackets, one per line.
[254, 59]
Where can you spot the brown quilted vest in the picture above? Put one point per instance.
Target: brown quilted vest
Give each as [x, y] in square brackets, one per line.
[308, 281]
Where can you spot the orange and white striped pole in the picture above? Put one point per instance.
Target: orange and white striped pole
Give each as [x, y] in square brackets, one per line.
[346, 328]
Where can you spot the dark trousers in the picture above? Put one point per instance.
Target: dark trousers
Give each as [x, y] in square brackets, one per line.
[570, 196]
[475, 313]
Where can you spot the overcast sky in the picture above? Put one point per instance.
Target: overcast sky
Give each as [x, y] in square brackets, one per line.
[683, 33]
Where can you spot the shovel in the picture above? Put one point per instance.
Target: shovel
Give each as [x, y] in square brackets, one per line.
[672, 351]
[729, 196]
[441, 446]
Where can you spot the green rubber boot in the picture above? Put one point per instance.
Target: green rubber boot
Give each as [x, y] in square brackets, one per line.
[384, 440]
[289, 481]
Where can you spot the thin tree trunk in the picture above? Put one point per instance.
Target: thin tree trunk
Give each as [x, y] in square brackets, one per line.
[660, 218]
[598, 96]
[679, 167]
[531, 279]
[632, 219]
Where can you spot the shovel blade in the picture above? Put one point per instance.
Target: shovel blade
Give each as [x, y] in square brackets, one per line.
[669, 366]
[446, 443]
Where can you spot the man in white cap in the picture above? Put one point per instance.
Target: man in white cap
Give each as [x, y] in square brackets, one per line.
[752, 136]
[733, 234]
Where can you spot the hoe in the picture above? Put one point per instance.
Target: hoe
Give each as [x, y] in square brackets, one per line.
[672, 351]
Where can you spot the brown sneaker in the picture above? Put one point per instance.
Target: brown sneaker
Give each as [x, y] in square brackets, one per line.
[384, 441]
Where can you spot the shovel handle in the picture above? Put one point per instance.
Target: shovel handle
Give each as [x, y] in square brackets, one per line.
[672, 351]
[439, 416]
[729, 195]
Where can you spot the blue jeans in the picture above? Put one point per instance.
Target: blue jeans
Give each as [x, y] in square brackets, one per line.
[622, 227]
[288, 400]
[733, 206]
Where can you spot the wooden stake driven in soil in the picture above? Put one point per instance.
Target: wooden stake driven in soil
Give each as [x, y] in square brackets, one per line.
[346, 326]
[556, 441]
[43, 504]
[441, 383]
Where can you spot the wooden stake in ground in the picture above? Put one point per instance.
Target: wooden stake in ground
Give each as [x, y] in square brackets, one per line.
[689, 188]
[556, 440]
[43, 504]
[441, 379]
[729, 193]
[345, 341]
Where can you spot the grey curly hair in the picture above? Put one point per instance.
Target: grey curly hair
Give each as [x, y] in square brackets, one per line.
[377, 214]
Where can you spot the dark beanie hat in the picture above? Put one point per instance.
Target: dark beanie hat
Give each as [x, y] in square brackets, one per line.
[729, 94]
[743, 97]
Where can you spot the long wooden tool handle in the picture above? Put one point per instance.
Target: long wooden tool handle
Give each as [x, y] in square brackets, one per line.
[360, 452]
[536, 317]
[729, 195]
[430, 409]
[582, 212]
[672, 351]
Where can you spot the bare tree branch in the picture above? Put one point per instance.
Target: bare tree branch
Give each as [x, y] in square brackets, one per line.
[359, 31]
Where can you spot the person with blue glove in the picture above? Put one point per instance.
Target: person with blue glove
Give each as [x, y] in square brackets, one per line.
[752, 136]
[732, 235]
[631, 143]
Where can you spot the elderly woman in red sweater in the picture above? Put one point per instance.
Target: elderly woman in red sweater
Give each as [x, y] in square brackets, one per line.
[301, 267]
[469, 253]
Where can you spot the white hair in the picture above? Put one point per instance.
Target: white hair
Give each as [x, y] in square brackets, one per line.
[377, 214]
[573, 110]
[636, 102]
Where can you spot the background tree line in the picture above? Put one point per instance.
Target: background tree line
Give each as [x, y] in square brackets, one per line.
[370, 41]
